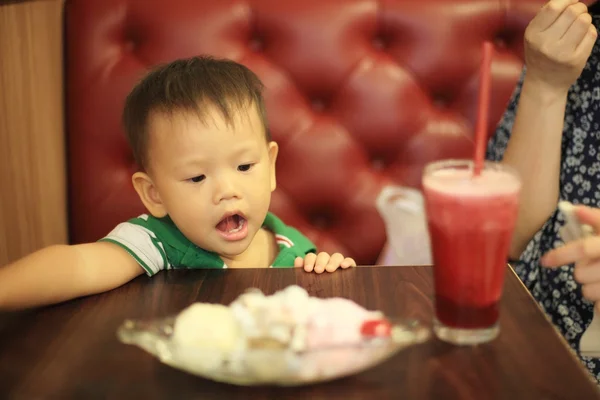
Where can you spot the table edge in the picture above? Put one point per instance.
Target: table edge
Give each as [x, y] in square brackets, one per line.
[554, 328]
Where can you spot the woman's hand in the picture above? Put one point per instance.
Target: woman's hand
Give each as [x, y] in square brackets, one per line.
[585, 253]
[558, 42]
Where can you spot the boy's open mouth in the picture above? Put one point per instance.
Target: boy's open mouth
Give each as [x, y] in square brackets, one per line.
[231, 224]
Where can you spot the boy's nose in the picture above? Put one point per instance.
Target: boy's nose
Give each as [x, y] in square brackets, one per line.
[225, 190]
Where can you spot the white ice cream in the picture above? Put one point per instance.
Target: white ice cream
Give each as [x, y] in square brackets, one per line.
[287, 319]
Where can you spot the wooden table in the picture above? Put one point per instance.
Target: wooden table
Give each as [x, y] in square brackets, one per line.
[70, 351]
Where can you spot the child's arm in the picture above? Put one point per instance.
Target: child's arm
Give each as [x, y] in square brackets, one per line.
[60, 273]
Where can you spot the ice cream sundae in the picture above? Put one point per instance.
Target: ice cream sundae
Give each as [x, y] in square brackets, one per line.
[286, 338]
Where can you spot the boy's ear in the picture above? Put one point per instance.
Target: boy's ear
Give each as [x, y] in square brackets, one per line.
[273, 151]
[148, 194]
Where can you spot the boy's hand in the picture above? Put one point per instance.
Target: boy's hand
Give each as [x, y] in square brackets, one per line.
[585, 253]
[323, 262]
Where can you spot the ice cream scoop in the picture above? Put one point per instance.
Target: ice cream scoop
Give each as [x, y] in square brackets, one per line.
[204, 325]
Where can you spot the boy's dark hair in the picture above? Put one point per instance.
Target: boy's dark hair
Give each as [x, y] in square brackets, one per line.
[190, 85]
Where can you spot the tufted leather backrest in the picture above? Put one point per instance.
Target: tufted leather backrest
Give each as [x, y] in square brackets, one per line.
[358, 93]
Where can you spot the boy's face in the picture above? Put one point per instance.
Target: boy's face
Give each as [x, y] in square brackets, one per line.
[213, 179]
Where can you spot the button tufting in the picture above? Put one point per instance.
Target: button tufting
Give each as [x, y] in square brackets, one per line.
[379, 43]
[256, 44]
[129, 46]
[131, 39]
[500, 41]
[366, 78]
[318, 104]
[321, 220]
[441, 100]
[378, 163]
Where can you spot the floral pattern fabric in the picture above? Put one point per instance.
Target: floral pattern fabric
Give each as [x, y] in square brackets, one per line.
[555, 289]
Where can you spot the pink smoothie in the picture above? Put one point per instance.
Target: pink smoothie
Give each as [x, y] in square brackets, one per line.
[471, 221]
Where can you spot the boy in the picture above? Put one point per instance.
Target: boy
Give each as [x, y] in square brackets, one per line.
[198, 131]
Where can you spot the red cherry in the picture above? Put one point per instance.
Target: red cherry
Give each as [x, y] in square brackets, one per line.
[376, 327]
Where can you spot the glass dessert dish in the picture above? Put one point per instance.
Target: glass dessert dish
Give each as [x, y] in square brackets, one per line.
[288, 339]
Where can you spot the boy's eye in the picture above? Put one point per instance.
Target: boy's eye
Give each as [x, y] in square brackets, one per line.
[244, 167]
[198, 178]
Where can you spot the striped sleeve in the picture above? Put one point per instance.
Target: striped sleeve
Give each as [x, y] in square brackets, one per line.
[142, 244]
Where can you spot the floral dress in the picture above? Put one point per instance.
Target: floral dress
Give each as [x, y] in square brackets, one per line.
[555, 289]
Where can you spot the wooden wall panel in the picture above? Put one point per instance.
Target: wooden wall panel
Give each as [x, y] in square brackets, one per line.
[33, 208]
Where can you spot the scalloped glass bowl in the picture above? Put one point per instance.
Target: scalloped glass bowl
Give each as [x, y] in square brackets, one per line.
[271, 366]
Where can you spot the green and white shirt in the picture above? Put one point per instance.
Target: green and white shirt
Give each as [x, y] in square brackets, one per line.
[157, 244]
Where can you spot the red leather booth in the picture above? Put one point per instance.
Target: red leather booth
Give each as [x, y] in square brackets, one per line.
[358, 93]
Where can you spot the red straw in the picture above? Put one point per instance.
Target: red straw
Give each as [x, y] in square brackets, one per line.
[483, 106]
